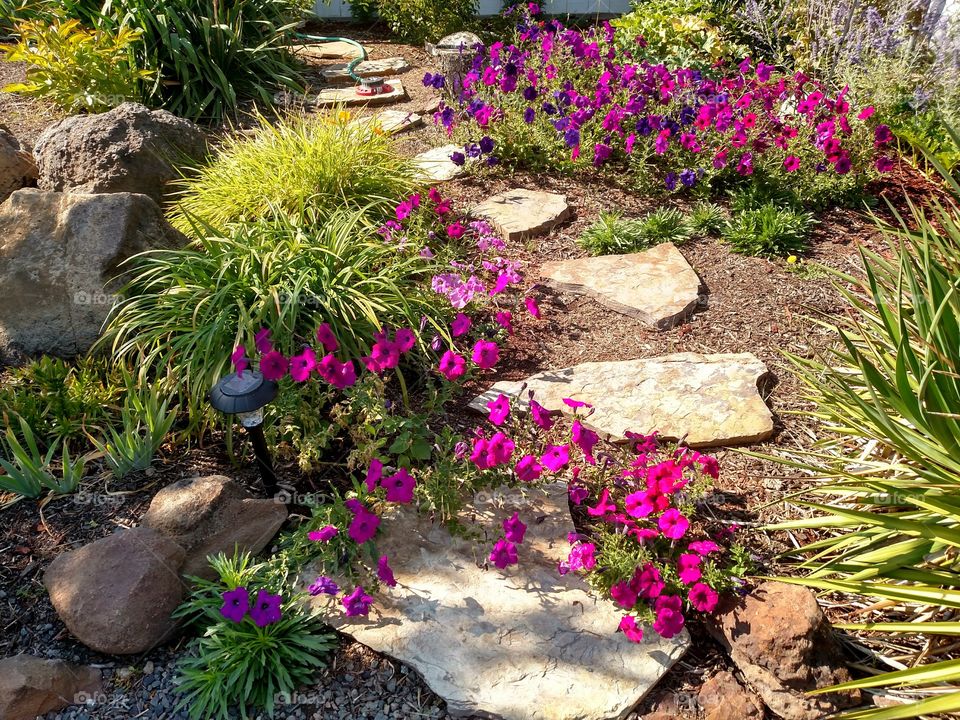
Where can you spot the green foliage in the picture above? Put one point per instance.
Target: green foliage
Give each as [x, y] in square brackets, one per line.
[186, 310]
[60, 401]
[303, 166]
[769, 231]
[707, 218]
[239, 664]
[612, 233]
[76, 68]
[145, 422]
[30, 473]
[888, 471]
[677, 33]
[209, 54]
[416, 21]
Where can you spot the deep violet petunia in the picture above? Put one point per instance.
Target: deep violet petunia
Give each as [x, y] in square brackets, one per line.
[363, 526]
[265, 610]
[236, 603]
[323, 585]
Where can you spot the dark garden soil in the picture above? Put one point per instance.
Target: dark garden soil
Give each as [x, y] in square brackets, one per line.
[751, 305]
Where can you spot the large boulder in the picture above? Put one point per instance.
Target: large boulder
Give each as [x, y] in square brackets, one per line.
[17, 169]
[210, 515]
[128, 149]
[31, 686]
[60, 255]
[779, 639]
[116, 595]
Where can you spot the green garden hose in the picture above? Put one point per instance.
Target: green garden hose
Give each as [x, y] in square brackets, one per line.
[353, 64]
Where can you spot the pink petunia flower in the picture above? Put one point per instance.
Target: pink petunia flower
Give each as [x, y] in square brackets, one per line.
[703, 547]
[504, 318]
[499, 409]
[703, 597]
[582, 557]
[541, 416]
[647, 582]
[356, 603]
[399, 486]
[688, 568]
[585, 439]
[528, 469]
[514, 529]
[673, 524]
[669, 620]
[262, 341]
[556, 457]
[302, 365]
[363, 526]
[324, 534]
[374, 473]
[273, 365]
[326, 338]
[239, 360]
[452, 366]
[460, 325]
[623, 595]
[504, 553]
[628, 626]
[486, 354]
[604, 505]
[532, 307]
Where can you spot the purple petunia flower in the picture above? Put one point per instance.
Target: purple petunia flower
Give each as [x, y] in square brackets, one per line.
[323, 585]
[266, 609]
[235, 604]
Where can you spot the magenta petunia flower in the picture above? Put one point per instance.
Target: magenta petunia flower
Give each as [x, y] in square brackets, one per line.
[273, 365]
[374, 473]
[703, 547]
[556, 457]
[866, 113]
[623, 595]
[884, 164]
[385, 572]
[486, 354]
[302, 365]
[604, 505]
[585, 439]
[324, 534]
[504, 553]
[703, 597]
[577, 493]
[638, 504]
[363, 526]
[262, 341]
[541, 416]
[514, 529]
[499, 409]
[236, 603]
[673, 524]
[239, 360]
[500, 449]
[504, 318]
[460, 325]
[669, 620]
[646, 582]
[452, 366]
[266, 609]
[791, 163]
[326, 338]
[575, 404]
[455, 230]
[628, 626]
[688, 568]
[532, 307]
[356, 603]
[323, 585]
[399, 486]
[405, 339]
[528, 469]
[582, 556]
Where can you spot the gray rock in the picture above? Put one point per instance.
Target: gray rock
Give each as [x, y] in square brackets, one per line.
[711, 400]
[60, 257]
[435, 165]
[116, 595]
[523, 643]
[519, 214]
[210, 515]
[31, 686]
[128, 149]
[657, 286]
[17, 168]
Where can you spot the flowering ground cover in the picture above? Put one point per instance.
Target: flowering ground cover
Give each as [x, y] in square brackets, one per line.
[662, 531]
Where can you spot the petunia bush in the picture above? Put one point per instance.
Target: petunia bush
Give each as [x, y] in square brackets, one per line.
[565, 98]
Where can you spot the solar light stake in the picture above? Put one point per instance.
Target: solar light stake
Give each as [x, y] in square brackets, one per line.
[245, 396]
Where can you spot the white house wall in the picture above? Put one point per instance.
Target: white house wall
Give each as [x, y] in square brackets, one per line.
[341, 8]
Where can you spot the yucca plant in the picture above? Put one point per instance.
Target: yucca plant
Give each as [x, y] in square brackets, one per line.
[185, 310]
[889, 472]
[299, 165]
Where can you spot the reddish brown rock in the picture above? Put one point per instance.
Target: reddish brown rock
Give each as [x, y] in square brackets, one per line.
[116, 595]
[31, 686]
[722, 697]
[783, 645]
[211, 515]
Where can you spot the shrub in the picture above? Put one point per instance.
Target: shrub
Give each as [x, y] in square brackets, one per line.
[769, 231]
[675, 129]
[76, 68]
[418, 20]
[301, 166]
[247, 658]
[184, 311]
[887, 474]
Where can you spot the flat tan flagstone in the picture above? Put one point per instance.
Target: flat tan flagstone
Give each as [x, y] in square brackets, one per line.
[657, 286]
[336, 50]
[368, 68]
[711, 400]
[348, 96]
[436, 166]
[518, 214]
[391, 122]
[524, 643]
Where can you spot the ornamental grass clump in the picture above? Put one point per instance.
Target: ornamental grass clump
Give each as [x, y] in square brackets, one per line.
[559, 97]
[305, 167]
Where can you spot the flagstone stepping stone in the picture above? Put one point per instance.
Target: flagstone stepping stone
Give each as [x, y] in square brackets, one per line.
[336, 50]
[436, 166]
[519, 214]
[391, 122]
[658, 286]
[348, 96]
[712, 400]
[368, 68]
[523, 643]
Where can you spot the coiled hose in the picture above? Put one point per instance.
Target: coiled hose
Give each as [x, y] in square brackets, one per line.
[353, 63]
